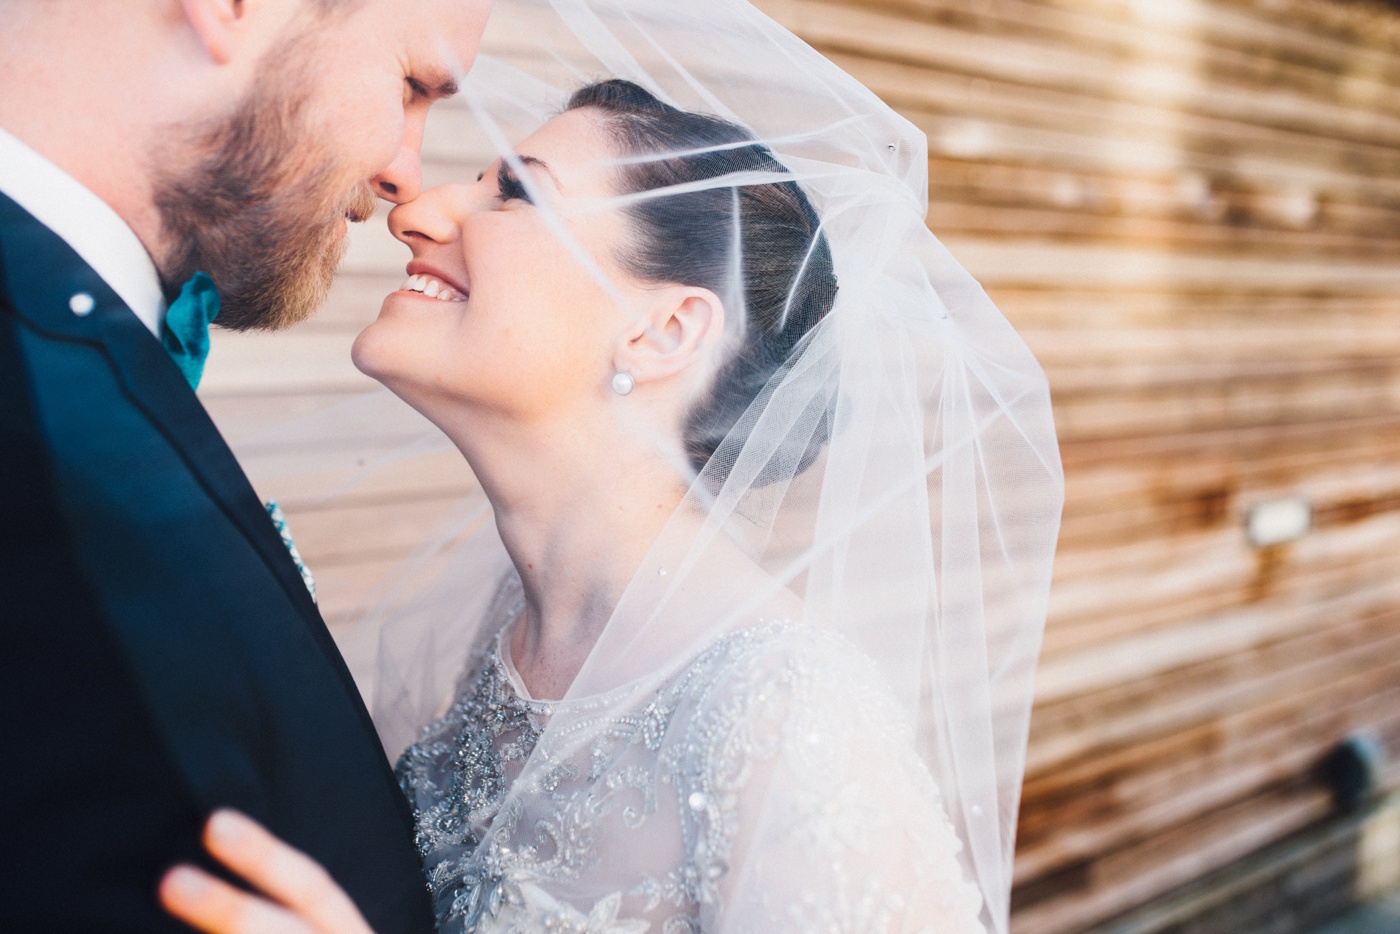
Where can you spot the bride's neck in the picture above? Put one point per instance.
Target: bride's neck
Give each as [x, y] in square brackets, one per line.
[576, 517]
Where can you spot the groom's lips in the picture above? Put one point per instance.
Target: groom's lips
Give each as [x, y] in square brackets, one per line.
[416, 268]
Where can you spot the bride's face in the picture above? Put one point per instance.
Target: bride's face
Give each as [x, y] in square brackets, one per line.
[511, 320]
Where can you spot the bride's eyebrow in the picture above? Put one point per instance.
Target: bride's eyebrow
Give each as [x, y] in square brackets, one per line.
[525, 160]
[541, 164]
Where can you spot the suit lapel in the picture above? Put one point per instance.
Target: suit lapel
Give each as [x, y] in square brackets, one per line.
[42, 275]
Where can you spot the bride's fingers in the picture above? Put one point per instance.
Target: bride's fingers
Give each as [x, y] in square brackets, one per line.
[282, 872]
[215, 907]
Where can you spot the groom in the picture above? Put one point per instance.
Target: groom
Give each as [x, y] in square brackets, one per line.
[160, 655]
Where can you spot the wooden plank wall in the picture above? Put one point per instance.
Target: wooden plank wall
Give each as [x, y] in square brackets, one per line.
[1191, 209]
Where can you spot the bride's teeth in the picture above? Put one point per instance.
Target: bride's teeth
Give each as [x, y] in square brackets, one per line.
[432, 288]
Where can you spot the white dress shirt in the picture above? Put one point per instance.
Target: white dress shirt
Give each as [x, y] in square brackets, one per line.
[87, 223]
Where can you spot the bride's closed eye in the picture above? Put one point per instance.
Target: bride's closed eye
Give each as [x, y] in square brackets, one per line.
[510, 187]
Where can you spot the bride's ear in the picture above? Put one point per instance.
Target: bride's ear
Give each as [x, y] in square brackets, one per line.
[681, 332]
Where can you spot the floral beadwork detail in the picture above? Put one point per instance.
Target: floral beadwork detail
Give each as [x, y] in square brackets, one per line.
[523, 809]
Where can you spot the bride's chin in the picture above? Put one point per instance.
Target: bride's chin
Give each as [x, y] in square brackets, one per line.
[373, 354]
[362, 353]
[373, 351]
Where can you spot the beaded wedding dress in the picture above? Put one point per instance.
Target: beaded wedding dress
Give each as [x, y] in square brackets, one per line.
[775, 715]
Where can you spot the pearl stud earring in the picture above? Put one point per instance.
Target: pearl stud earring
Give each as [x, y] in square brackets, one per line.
[622, 383]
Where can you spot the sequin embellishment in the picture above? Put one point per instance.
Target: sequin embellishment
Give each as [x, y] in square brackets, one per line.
[523, 809]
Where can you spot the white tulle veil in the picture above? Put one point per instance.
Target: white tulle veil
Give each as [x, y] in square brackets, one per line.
[897, 479]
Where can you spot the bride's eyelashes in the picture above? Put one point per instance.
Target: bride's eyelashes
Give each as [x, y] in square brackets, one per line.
[510, 187]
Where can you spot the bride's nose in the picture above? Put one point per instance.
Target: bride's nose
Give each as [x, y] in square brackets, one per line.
[435, 216]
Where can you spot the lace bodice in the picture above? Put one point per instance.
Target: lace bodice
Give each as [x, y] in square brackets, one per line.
[768, 786]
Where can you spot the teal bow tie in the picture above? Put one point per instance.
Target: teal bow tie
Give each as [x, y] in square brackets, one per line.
[185, 334]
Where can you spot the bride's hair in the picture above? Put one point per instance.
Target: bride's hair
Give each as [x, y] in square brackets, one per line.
[789, 283]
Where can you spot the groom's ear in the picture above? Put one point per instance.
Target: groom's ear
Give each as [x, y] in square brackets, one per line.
[216, 24]
[680, 332]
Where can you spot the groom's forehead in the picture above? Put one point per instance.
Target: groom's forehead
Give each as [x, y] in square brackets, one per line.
[438, 37]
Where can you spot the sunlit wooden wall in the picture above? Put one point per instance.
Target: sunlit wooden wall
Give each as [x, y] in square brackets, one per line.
[1191, 210]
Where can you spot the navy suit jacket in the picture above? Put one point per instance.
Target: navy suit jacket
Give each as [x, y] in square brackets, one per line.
[159, 653]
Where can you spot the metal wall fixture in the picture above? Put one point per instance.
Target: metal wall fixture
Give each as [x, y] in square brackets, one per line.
[1278, 521]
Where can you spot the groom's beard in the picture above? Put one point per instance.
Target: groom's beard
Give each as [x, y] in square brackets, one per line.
[258, 211]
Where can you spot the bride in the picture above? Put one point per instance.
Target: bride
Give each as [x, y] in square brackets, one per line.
[774, 491]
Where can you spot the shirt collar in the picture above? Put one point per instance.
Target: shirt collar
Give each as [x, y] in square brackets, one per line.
[87, 223]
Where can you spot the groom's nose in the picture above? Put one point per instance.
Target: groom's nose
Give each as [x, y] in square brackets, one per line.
[402, 179]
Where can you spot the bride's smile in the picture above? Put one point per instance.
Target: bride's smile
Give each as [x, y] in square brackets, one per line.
[497, 313]
[429, 283]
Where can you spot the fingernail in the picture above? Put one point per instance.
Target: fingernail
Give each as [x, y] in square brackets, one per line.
[226, 827]
[186, 882]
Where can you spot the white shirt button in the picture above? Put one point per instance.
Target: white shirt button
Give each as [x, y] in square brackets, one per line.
[82, 304]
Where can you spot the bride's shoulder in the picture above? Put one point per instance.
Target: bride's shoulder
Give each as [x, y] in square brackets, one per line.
[782, 642]
[789, 733]
[785, 668]
[762, 644]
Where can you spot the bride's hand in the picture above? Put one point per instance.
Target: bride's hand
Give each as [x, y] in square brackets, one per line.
[301, 897]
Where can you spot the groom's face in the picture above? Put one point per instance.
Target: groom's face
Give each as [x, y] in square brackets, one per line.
[259, 198]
